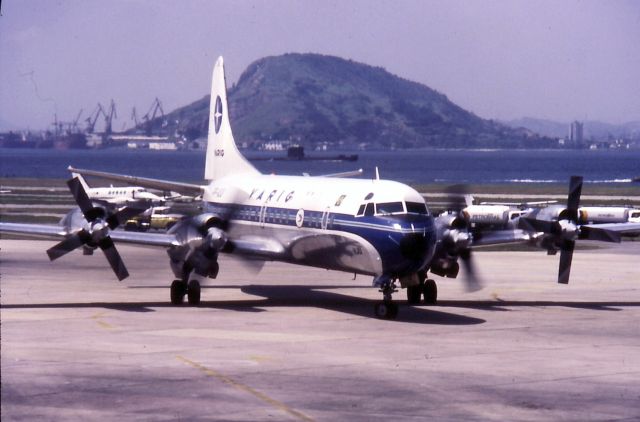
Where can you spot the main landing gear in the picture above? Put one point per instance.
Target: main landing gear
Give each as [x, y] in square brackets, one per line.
[180, 288]
[427, 289]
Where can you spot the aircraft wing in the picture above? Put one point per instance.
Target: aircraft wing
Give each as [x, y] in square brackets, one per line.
[146, 239]
[37, 230]
[253, 246]
[500, 237]
[54, 231]
[610, 232]
[163, 185]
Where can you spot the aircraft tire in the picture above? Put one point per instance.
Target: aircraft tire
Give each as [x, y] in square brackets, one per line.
[193, 293]
[386, 310]
[178, 289]
[430, 292]
[413, 294]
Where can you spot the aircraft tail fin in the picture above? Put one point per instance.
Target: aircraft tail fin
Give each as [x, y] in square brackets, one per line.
[83, 182]
[223, 158]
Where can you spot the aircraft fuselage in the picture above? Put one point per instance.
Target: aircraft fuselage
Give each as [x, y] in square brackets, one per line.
[373, 227]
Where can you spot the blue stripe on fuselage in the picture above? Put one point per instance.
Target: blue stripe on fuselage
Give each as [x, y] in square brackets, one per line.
[386, 233]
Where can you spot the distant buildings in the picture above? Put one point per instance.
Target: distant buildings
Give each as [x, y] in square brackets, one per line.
[577, 134]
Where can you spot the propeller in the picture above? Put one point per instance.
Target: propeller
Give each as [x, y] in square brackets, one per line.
[456, 239]
[561, 234]
[569, 229]
[96, 231]
[204, 235]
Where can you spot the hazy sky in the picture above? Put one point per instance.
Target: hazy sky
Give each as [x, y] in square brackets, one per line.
[561, 60]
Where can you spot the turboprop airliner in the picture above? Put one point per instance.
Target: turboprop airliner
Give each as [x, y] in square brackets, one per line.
[378, 228]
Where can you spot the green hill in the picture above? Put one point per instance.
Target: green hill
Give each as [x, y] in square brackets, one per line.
[311, 98]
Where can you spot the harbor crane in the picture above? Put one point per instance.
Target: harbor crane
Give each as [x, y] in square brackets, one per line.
[108, 118]
[151, 114]
[93, 118]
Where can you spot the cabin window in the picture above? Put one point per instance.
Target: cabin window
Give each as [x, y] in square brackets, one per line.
[386, 208]
[635, 215]
[416, 208]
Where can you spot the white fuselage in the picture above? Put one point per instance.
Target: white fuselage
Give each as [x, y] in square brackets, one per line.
[365, 226]
[122, 195]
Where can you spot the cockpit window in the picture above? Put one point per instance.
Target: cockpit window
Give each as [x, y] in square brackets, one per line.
[360, 210]
[416, 208]
[369, 211]
[389, 208]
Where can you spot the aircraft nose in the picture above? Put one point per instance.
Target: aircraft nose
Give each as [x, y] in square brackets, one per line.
[414, 246]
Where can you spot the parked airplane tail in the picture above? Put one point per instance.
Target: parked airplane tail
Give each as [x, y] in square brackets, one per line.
[223, 158]
[83, 182]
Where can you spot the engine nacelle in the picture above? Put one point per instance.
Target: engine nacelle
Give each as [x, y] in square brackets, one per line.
[207, 220]
[201, 237]
[451, 220]
[193, 230]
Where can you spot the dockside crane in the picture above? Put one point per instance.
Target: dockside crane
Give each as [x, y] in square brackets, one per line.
[93, 118]
[108, 118]
[134, 117]
[151, 114]
[73, 127]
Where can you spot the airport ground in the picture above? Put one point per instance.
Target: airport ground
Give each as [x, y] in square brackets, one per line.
[293, 343]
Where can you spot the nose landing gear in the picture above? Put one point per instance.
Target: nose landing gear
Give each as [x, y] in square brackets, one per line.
[387, 309]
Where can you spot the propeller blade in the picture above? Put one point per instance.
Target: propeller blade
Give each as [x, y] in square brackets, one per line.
[81, 197]
[573, 200]
[65, 246]
[112, 255]
[456, 196]
[566, 256]
[123, 215]
[597, 233]
[472, 282]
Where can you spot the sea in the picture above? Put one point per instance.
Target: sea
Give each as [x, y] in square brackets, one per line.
[423, 166]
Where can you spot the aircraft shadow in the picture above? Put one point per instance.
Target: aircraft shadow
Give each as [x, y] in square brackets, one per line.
[502, 305]
[314, 296]
[281, 296]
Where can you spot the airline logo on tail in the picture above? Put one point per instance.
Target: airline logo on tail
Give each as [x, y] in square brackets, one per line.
[218, 114]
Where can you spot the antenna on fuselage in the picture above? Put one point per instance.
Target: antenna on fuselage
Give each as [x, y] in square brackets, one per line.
[377, 174]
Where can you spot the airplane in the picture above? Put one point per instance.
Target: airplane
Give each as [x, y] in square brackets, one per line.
[379, 228]
[119, 196]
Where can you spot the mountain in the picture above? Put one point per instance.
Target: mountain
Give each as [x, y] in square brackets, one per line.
[311, 98]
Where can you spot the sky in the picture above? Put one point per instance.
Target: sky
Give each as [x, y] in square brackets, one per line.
[559, 60]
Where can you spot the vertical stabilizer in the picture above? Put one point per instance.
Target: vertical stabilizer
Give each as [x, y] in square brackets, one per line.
[83, 182]
[223, 157]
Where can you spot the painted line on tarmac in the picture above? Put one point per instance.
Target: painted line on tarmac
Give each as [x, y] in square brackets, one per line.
[242, 387]
[101, 323]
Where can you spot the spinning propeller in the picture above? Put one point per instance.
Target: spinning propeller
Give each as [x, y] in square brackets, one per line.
[456, 237]
[96, 231]
[561, 234]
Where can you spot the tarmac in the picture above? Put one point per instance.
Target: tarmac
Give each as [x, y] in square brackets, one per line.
[294, 343]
